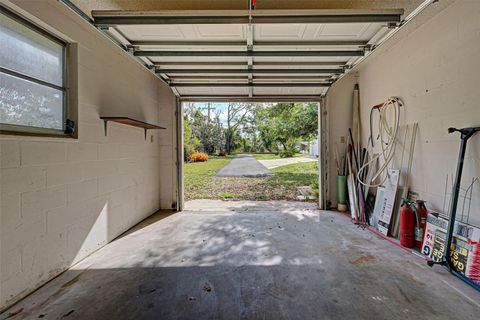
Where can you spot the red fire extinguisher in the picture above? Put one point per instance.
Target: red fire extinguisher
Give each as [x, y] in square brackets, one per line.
[422, 214]
[407, 225]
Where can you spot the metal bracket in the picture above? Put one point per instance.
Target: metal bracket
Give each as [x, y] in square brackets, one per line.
[102, 27]
[131, 49]
[105, 126]
[368, 48]
[393, 25]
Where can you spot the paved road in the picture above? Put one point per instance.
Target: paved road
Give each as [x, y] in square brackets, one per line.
[244, 165]
[275, 163]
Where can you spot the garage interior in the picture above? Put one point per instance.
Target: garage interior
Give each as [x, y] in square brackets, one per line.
[93, 221]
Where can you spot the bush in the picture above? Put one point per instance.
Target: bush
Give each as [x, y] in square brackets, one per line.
[198, 157]
[222, 153]
[286, 154]
[315, 191]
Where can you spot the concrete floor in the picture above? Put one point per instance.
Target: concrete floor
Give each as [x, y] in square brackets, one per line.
[244, 165]
[251, 260]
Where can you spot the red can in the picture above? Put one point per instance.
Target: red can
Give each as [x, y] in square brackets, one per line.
[422, 214]
[407, 226]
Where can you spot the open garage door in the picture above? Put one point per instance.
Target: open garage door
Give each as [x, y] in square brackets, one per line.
[248, 55]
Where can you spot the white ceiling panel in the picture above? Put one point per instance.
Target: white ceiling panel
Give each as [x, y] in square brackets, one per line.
[347, 31]
[213, 91]
[192, 59]
[301, 59]
[203, 32]
[310, 32]
[289, 91]
[276, 31]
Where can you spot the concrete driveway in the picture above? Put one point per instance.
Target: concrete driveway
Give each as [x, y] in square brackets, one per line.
[251, 260]
[244, 165]
[275, 163]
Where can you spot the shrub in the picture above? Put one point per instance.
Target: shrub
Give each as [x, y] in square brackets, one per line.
[198, 157]
[222, 153]
[315, 191]
[286, 154]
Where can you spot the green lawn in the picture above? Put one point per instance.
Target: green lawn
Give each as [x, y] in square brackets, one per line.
[201, 183]
[199, 174]
[296, 174]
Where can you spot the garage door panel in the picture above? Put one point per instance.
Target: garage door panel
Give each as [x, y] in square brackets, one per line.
[184, 32]
[331, 31]
[241, 91]
[288, 91]
[198, 59]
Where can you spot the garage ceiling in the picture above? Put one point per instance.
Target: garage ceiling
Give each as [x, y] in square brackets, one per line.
[255, 53]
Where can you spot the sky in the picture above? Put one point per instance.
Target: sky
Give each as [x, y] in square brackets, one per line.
[216, 106]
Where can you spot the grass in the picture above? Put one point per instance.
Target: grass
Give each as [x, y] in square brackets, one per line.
[199, 174]
[296, 174]
[201, 183]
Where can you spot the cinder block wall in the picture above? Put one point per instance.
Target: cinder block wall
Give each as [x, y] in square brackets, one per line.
[432, 65]
[62, 199]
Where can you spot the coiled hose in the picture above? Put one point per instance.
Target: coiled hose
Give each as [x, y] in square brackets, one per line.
[388, 132]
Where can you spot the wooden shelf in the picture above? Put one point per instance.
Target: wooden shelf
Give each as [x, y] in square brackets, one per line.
[130, 122]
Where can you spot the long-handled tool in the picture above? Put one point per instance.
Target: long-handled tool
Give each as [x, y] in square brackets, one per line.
[466, 133]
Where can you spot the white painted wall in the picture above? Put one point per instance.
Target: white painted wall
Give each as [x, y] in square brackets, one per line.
[62, 199]
[339, 118]
[433, 68]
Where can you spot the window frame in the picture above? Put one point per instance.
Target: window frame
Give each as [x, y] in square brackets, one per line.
[14, 129]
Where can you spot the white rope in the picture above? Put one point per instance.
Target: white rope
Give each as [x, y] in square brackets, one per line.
[388, 139]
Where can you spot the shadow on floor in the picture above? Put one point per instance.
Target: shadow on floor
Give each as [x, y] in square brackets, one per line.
[249, 261]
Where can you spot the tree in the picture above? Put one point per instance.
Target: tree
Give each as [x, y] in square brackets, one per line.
[209, 131]
[238, 114]
[286, 124]
[190, 142]
[29, 105]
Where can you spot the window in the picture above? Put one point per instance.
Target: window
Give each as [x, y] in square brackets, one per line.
[32, 77]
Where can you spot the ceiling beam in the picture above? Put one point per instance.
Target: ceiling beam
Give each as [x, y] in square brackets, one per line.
[300, 63]
[188, 43]
[243, 43]
[244, 63]
[122, 17]
[246, 84]
[246, 98]
[201, 63]
[323, 53]
[245, 76]
[254, 71]
[219, 77]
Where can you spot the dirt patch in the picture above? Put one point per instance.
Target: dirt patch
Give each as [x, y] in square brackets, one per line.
[363, 260]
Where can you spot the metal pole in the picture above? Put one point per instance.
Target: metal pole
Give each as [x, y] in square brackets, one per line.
[320, 156]
[326, 53]
[179, 152]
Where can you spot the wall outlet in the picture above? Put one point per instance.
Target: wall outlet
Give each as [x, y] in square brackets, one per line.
[342, 139]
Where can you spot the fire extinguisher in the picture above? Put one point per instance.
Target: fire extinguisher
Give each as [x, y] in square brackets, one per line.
[407, 225]
[422, 214]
